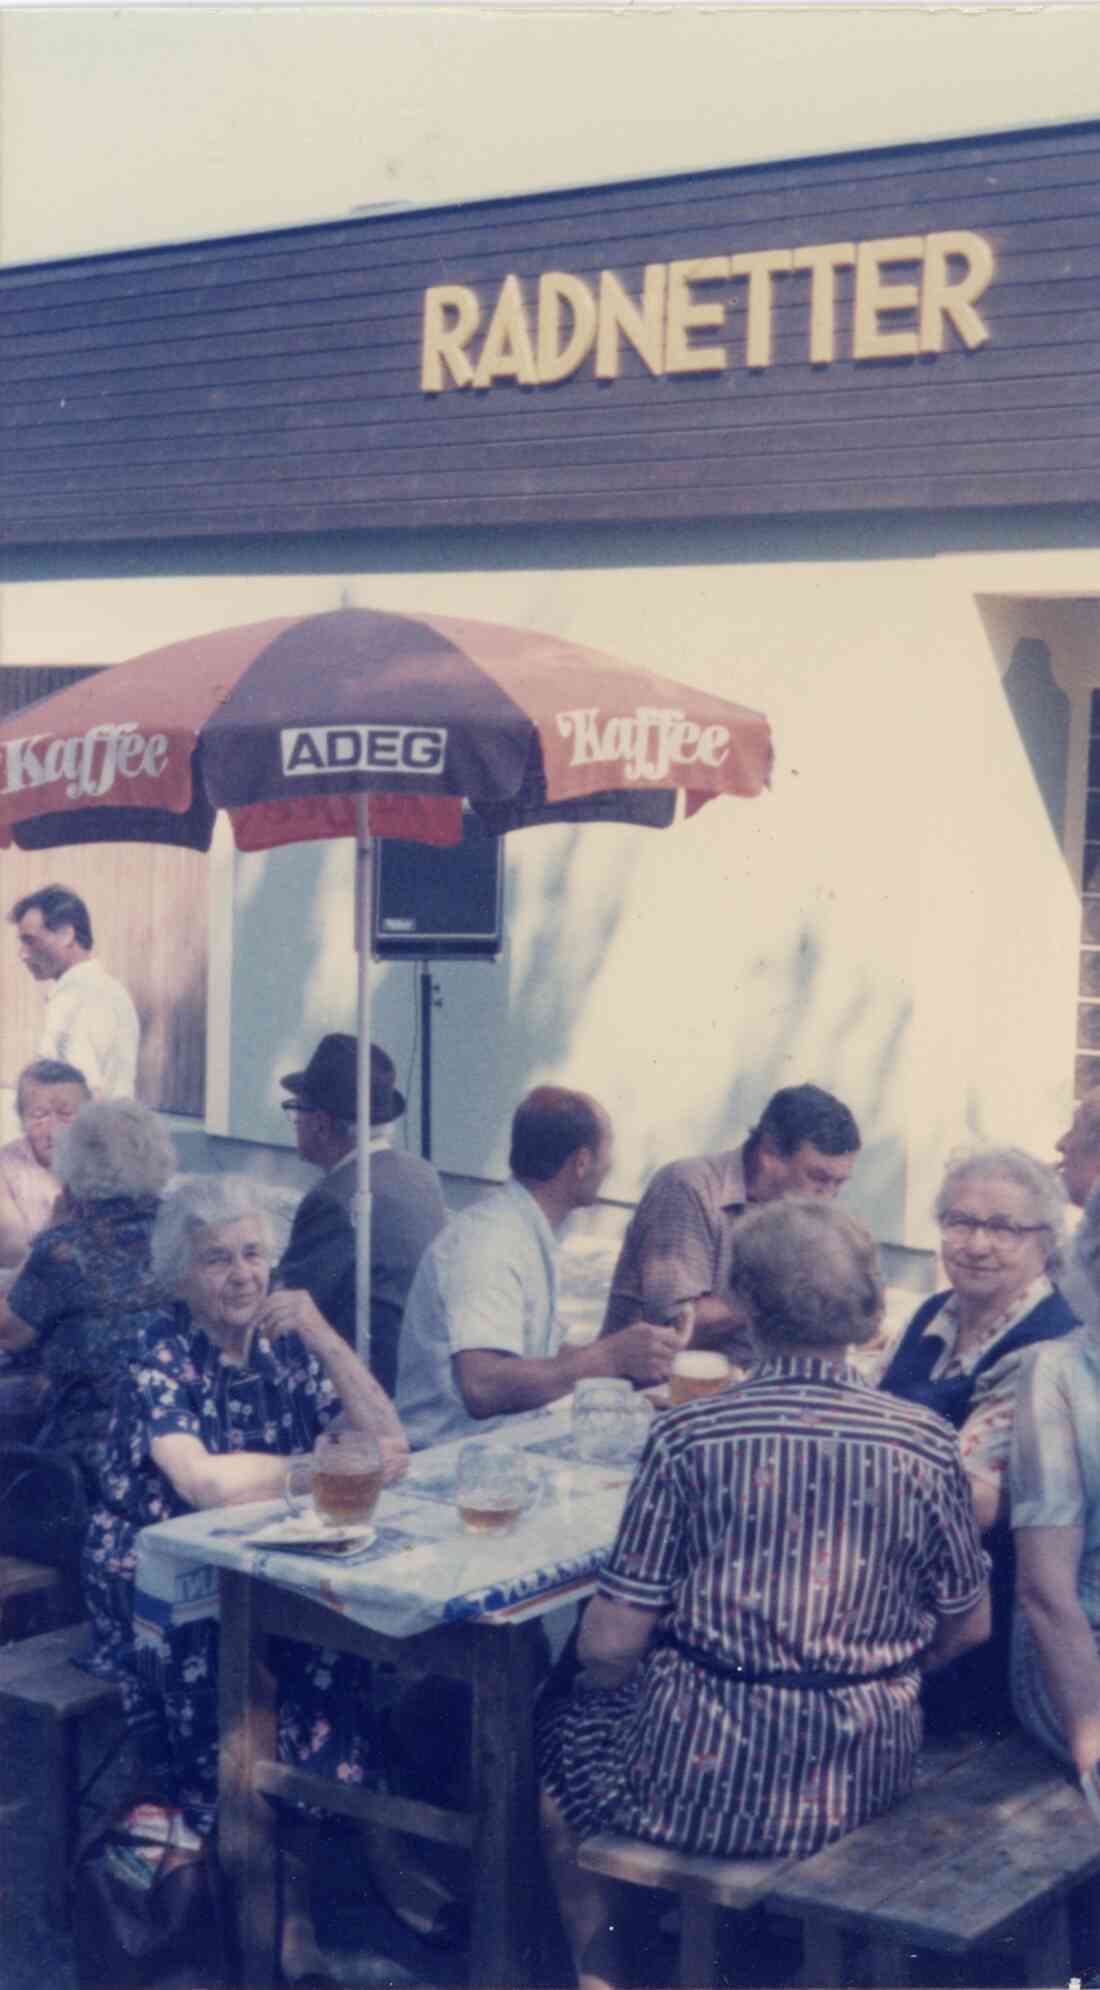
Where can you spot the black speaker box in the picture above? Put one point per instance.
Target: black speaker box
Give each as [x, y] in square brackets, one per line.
[433, 903]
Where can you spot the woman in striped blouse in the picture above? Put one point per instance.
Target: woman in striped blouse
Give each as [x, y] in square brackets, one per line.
[792, 1555]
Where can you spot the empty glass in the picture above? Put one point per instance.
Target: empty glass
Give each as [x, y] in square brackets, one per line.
[610, 1420]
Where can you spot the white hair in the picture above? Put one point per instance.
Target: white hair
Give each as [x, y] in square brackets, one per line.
[195, 1203]
[114, 1147]
[1010, 1164]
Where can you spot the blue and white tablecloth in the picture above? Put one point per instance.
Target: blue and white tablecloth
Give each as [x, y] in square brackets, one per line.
[422, 1568]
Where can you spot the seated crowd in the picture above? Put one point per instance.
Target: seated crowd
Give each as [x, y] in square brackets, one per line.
[810, 1567]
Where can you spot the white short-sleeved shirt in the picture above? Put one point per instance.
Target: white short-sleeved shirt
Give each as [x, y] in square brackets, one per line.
[92, 1024]
[488, 1280]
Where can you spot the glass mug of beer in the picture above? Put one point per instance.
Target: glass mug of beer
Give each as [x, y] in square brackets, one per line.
[342, 1476]
[494, 1487]
[698, 1371]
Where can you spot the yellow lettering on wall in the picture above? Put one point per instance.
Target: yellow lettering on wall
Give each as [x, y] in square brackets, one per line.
[874, 296]
[452, 315]
[684, 315]
[823, 259]
[644, 328]
[555, 359]
[507, 353]
[760, 266]
[940, 298]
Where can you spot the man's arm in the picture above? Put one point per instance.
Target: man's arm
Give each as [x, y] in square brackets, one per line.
[1047, 1560]
[15, 1334]
[495, 1384]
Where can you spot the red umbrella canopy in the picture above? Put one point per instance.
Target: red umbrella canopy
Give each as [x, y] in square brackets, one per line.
[284, 723]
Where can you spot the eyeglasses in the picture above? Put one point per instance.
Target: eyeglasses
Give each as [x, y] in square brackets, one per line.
[298, 1106]
[1000, 1229]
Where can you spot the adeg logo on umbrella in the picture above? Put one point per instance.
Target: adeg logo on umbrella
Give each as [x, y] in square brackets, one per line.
[374, 749]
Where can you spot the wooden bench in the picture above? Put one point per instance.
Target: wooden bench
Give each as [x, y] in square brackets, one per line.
[988, 1848]
[32, 1598]
[38, 1680]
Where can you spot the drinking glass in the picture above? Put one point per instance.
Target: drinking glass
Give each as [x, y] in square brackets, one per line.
[342, 1476]
[610, 1420]
[698, 1371]
[494, 1487]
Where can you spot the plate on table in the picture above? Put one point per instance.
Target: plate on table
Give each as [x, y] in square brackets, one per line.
[306, 1534]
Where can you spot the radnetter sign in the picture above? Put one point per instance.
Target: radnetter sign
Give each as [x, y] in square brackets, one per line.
[712, 312]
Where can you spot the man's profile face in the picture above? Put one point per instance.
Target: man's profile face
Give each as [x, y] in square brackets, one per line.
[44, 953]
[1079, 1147]
[600, 1159]
[805, 1172]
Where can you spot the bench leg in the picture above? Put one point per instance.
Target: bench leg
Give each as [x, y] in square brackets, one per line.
[698, 1942]
[61, 1771]
[1046, 1954]
[890, 1962]
[824, 1954]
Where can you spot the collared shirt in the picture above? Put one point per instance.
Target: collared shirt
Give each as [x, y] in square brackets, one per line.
[488, 1280]
[679, 1242]
[986, 1437]
[33, 1188]
[801, 1523]
[1055, 1482]
[91, 1023]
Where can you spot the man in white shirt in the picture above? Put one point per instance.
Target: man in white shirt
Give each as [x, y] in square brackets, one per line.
[481, 1337]
[90, 1020]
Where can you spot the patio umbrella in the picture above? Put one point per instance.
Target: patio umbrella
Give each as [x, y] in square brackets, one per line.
[362, 723]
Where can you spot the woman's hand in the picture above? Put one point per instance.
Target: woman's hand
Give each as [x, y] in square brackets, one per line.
[365, 1405]
[294, 1313]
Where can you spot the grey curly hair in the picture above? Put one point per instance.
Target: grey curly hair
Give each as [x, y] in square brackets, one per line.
[114, 1147]
[807, 1273]
[1010, 1164]
[196, 1203]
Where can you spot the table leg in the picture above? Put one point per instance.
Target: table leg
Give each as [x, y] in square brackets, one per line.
[246, 1835]
[508, 1880]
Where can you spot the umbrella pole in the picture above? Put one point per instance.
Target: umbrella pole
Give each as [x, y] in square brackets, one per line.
[363, 924]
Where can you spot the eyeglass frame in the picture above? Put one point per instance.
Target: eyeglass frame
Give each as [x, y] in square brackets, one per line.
[1002, 1230]
[298, 1106]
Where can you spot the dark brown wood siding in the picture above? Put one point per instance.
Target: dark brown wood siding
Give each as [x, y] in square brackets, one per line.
[271, 384]
[148, 906]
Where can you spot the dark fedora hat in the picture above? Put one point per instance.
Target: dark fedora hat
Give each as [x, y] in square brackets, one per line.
[330, 1079]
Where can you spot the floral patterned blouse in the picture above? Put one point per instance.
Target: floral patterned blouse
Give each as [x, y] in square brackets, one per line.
[177, 1380]
[82, 1290]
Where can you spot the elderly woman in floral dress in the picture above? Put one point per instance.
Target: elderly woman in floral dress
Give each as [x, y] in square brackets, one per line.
[226, 1384]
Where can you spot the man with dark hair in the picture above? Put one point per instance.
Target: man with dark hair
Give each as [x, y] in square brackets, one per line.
[406, 1198]
[48, 1097]
[90, 1021]
[481, 1337]
[1079, 1168]
[677, 1249]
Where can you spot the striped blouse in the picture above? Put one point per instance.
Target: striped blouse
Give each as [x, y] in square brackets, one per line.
[801, 1523]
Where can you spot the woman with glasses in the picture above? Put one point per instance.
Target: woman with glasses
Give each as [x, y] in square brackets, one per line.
[1000, 1214]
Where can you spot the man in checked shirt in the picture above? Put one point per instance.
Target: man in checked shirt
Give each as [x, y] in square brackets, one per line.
[678, 1246]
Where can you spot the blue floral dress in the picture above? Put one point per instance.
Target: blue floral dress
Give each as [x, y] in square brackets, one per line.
[279, 1402]
[85, 1285]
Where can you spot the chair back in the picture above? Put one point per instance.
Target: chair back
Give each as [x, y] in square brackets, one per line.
[43, 1508]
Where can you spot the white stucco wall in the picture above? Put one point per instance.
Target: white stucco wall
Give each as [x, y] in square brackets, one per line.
[895, 920]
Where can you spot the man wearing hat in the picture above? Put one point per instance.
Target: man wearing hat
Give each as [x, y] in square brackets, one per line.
[406, 1199]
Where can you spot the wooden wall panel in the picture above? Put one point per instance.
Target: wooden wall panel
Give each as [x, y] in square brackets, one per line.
[270, 384]
[148, 907]
[149, 916]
